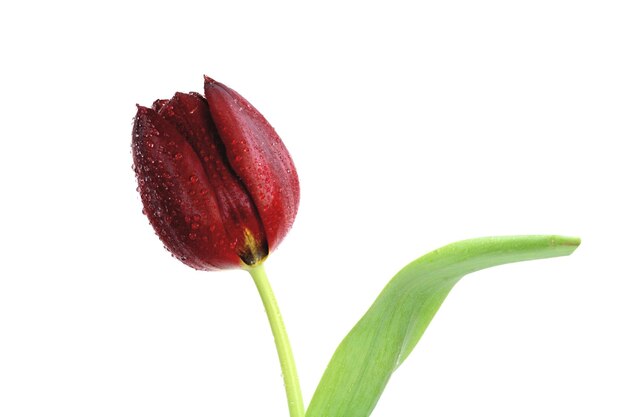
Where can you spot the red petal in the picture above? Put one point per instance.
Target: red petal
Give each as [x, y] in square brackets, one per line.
[172, 183]
[258, 157]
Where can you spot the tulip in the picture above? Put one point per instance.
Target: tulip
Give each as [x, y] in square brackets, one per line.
[216, 182]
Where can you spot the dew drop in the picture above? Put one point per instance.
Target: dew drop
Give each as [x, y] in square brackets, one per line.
[192, 236]
[195, 226]
[193, 179]
[149, 144]
[178, 156]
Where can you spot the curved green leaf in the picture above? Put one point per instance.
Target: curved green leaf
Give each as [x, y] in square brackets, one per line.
[388, 332]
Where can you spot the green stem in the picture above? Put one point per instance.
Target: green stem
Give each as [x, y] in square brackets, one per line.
[287, 363]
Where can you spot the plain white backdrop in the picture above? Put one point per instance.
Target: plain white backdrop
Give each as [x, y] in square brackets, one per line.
[412, 125]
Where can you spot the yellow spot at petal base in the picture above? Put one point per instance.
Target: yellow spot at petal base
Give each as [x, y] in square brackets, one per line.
[253, 252]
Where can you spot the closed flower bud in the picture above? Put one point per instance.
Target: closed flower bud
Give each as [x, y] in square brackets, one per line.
[216, 181]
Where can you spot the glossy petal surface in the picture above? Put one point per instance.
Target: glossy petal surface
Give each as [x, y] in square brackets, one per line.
[258, 156]
[196, 187]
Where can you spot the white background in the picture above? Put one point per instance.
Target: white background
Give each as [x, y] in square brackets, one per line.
[412, 125]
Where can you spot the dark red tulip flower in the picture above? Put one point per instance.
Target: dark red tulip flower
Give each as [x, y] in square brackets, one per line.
[216, 181]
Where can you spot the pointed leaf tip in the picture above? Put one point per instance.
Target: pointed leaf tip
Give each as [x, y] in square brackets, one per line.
[567, 241]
